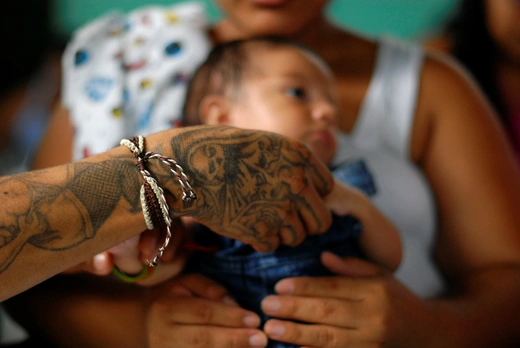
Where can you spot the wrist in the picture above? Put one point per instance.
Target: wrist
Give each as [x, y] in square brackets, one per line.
[167, 144]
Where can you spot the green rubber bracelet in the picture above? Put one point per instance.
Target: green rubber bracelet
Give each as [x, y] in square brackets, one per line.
[146, 271]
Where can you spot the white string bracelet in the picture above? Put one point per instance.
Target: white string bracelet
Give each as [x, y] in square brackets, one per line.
[156, 211]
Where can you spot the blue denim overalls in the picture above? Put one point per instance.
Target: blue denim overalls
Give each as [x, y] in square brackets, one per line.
[249, 275]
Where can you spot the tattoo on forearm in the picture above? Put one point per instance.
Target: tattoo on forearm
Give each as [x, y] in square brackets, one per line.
[248, 184]
[33, 209]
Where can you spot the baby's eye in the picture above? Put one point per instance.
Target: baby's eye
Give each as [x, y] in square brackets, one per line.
[296, 92]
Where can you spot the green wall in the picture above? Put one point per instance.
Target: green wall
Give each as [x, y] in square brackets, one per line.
[408, 19]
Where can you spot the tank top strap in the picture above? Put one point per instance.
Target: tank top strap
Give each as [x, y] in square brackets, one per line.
[387, 112]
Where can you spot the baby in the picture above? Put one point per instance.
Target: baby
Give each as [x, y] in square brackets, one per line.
[276, 85]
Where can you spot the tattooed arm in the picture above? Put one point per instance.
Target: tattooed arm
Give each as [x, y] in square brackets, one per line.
[258, 187]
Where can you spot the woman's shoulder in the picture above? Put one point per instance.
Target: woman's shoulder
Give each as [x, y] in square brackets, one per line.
[445, 79]
[448, 98]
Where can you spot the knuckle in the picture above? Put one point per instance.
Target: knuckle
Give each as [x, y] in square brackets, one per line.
[204, 314]
[326, 338]
[290, 236]
[215, 291]
[378, 290]
[326, 309]
[302, 148]
[298, 181]
[333, 283]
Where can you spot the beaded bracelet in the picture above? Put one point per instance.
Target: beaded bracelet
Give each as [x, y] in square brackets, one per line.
[156, 211]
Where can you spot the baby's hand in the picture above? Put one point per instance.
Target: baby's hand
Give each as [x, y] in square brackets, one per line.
[127, 255]
[343, 199]
[132, 256]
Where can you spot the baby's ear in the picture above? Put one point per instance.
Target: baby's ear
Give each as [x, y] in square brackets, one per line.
[214, 110]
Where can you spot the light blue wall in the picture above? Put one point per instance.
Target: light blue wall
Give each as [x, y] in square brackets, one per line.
[403, 18]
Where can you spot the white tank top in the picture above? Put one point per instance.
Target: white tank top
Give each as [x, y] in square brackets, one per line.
[381, 137]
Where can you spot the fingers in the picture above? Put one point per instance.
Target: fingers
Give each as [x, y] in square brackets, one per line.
[316, 310]
[313, 212]
[320, 175]
[179, 319]
[207, 336]
[341, 199]
[164, 271]
[201, 311]
[311, 335]
[203, 286]
[330, 287]
[126, 256]
[293, 231]
[307, 187]
[349, 266]
[152, 240]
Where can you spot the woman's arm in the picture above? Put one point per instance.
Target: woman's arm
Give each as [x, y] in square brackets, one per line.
[462, 149]
[476, 181]
[67, 213]
[379, 238]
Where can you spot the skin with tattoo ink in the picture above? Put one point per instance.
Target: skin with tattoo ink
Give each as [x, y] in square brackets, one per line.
[250, 185]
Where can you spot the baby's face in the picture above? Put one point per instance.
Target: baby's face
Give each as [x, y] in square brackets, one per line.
[288, 91]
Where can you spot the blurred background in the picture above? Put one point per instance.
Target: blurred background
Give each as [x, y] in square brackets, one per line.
[407, 19]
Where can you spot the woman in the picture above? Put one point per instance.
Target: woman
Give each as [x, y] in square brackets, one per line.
[441, 163]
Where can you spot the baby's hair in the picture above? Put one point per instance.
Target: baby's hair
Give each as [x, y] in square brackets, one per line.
[223, 69]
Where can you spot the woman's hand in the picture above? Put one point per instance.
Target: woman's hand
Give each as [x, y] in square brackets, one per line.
[365, 307]
[194, 311]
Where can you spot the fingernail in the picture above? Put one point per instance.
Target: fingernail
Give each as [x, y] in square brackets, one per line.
[258, 340]
[252, 321]
[284, 287]
[270, 305]
[100, 262]
[274, 330]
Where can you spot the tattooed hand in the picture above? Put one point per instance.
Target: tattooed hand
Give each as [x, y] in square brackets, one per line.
[258, 187]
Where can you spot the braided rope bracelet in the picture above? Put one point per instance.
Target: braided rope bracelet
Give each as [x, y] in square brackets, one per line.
[156, 211]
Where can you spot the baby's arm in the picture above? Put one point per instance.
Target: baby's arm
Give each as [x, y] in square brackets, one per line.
[379, 239]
